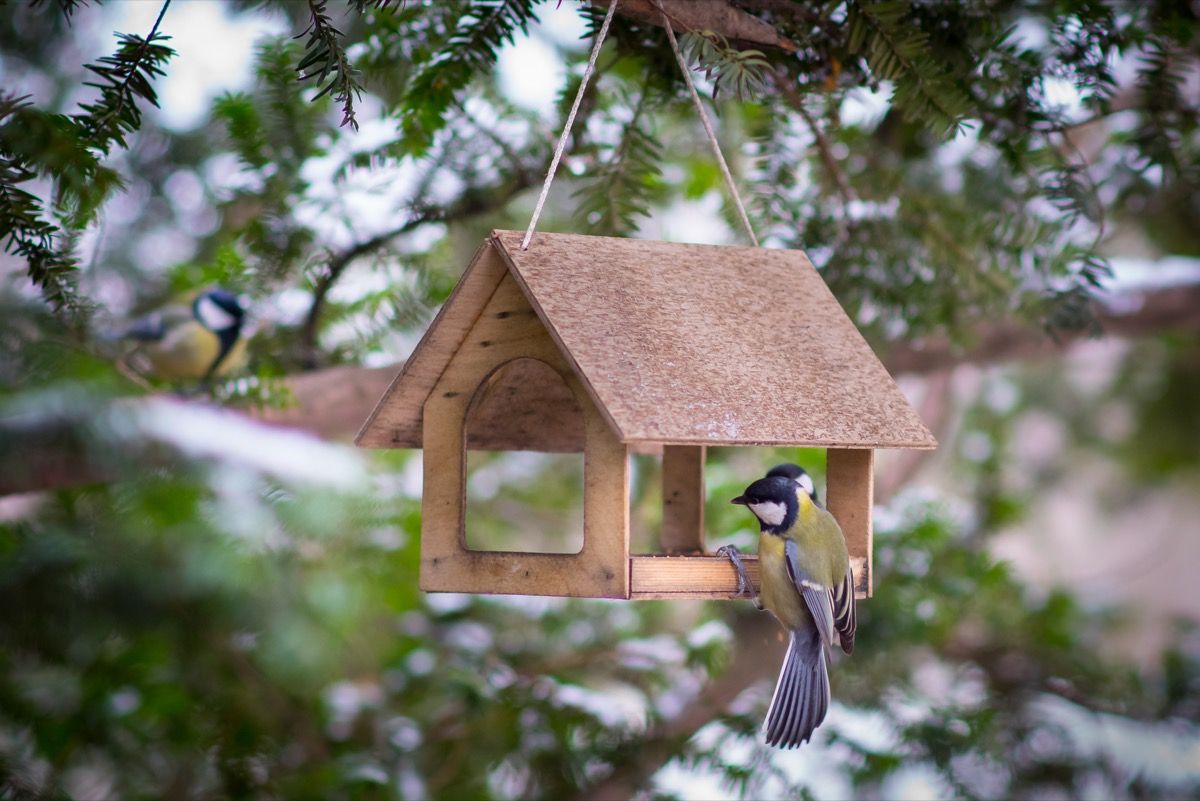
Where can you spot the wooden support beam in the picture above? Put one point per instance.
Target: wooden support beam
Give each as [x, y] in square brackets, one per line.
[683, 499]
[702, 578]
[850, 479]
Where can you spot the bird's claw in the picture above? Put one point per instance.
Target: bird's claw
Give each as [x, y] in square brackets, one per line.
[732, 553]
[745, 587]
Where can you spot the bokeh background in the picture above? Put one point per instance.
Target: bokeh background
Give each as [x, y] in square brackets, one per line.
[214, 595]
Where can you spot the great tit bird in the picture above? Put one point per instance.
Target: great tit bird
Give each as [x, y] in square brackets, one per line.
[195, 341]
[808, 586]
[798, 474]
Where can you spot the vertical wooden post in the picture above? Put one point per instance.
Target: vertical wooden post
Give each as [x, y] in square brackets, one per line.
[850, 483]
[604, 560]
[683, 499]
[443, 496]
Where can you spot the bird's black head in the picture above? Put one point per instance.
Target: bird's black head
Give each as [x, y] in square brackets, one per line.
[798, 474]
[219, 310]
[773, 501]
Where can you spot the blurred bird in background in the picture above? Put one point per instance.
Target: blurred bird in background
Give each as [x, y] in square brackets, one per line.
[807, 584]
[191, 341]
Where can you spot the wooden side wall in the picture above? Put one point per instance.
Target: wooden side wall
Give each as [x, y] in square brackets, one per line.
[508, 329]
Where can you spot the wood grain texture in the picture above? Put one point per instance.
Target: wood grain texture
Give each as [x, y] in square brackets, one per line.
[698, 344]
[526, 406]
[683, 499]
[703, 578]
[676, 344]
[396, 421]
[850, 481]
[507, 330]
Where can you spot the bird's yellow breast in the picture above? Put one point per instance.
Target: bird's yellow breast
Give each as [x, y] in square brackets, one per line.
[822, 556]
[779, 594]
[188, 352]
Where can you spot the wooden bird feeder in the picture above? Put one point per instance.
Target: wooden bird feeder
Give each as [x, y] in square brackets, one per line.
[603, 345]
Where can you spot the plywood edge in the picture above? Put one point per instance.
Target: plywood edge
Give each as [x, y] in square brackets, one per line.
[369, 435]
[850, 493]
[439, 341]
[513, 267]
[703, 578]
[643, 442]
[519, 573]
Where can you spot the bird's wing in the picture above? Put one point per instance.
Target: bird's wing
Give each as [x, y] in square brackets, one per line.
[148, 329]
[816, 595]
[845, 616]
[158, 325]
[845, 619]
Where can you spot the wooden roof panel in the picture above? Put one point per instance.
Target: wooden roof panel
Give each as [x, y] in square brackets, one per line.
[718, 345]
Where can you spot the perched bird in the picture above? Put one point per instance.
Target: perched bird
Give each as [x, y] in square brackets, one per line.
[798, 474]
[808, 586]
[195, 341]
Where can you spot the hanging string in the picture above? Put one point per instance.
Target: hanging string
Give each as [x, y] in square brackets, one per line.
[708, 129]
[566, 131]
[570, 123]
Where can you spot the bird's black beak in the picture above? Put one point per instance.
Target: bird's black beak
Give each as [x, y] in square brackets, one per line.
[741, 499]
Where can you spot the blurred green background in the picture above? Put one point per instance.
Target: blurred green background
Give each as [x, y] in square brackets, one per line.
[195, 603]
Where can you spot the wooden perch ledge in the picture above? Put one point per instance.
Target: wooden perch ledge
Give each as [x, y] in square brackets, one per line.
[702, 577]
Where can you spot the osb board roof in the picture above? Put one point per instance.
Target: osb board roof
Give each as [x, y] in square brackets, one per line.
[688, 344]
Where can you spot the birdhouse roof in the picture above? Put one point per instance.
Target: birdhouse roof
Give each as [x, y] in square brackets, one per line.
[678, 344]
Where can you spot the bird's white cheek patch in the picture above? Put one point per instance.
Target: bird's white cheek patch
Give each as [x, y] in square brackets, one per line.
[213, 316]
[769, 512]
[806, 482]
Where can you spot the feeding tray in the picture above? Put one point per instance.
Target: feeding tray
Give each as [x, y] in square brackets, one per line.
[603, 345]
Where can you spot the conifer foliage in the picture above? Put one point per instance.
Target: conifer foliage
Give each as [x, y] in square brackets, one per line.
[955, 71]
[213, 609]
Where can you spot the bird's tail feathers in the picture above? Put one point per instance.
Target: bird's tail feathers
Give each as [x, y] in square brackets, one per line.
[801, 696]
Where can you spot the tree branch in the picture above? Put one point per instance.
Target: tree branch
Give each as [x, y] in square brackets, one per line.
[707, 15]
[333, 403]
[787, 89]
[469, 205]
[123, 89]
[1127, 316]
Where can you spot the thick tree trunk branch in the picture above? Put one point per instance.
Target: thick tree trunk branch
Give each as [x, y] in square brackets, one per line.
[333, 403]
[706, 15]
[1129, 315]
[332, 392]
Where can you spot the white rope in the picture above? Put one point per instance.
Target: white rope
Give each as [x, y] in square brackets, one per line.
[712, 137]
[562, 140]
